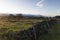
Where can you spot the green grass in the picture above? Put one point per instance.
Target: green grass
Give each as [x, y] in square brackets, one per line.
[17, 26]
[7, 27]
[54, 33]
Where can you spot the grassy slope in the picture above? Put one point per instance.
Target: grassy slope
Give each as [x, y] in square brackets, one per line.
[54, 34]
[15, 26]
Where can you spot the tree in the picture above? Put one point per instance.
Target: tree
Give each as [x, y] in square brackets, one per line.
[57, 17]
[19, 16]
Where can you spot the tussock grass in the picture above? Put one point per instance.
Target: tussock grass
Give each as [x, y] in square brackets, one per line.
[54, 33]
[19, 25]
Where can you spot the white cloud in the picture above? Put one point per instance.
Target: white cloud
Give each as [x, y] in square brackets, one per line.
[40, 3]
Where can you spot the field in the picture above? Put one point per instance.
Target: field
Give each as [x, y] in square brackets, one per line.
[24, 24]
[19, 25]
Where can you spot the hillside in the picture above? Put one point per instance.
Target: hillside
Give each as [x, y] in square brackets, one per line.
[14, 24]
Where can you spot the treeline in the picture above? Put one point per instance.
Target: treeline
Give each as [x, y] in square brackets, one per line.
[14, 18]
[24, 16]
[17, 17]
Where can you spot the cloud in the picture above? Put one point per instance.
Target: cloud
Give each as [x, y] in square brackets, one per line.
[40, 3]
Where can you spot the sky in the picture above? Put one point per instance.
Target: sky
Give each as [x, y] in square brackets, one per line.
[35, 7]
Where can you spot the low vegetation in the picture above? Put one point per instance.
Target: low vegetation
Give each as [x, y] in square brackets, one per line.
[54, 33]
[12, 24]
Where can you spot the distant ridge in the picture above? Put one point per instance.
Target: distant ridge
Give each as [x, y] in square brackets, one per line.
[25, 15]
[4, 14]
[30, 15]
